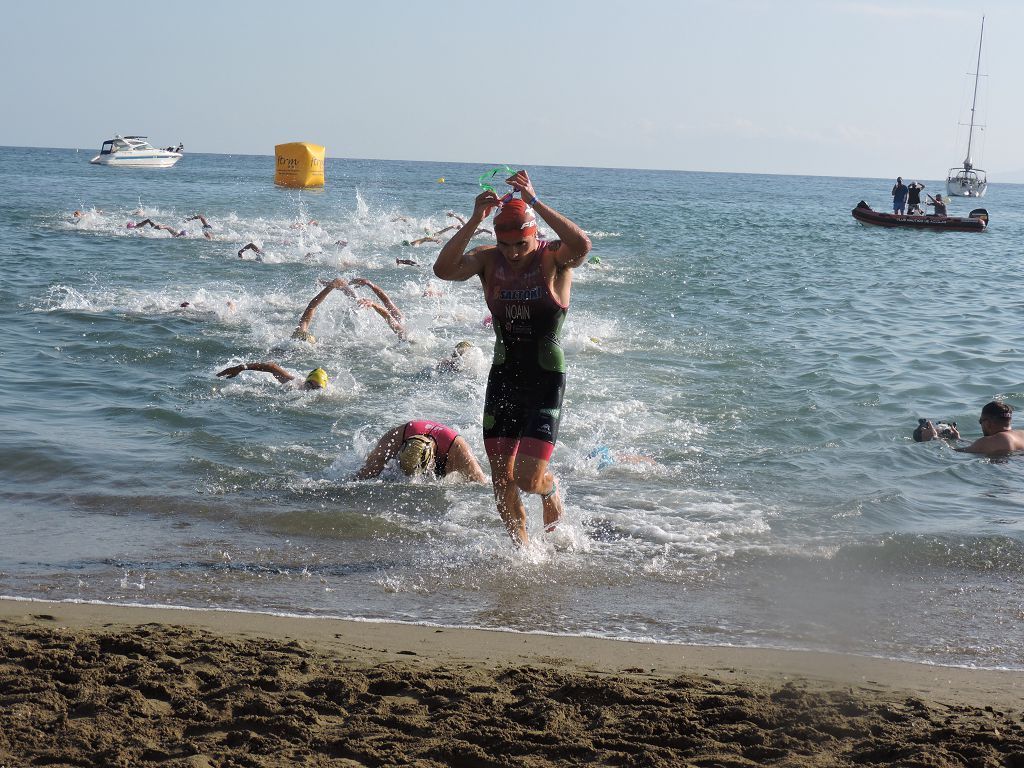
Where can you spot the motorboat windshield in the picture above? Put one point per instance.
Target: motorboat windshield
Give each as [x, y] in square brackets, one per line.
[120, 143]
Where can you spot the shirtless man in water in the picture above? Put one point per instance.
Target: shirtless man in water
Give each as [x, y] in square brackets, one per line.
[526, 285]
[999, 438]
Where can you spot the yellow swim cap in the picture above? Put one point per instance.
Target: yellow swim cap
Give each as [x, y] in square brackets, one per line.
[416, 455]
[317, 378]
[302, 335]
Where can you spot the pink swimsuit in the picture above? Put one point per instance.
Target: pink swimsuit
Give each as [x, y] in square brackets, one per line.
[442, 435]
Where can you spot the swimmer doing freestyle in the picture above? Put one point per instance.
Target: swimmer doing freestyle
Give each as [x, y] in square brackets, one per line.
[526, 285]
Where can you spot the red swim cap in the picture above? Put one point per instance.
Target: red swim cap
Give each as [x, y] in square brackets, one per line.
[515, 218]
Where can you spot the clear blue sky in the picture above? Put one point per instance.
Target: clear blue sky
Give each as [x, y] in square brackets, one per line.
[790, 86]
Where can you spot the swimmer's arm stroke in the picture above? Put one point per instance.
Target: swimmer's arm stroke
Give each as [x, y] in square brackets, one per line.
[273, 368]
[385, 299]
[394, 324]
[382, 453]
[453, 262]
[337, 283]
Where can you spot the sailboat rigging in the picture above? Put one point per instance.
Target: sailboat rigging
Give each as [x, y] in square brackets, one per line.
[966, 180]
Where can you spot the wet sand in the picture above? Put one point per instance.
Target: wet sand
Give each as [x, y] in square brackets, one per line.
[89, 685]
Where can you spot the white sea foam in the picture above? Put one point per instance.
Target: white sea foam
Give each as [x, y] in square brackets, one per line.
[769, 371]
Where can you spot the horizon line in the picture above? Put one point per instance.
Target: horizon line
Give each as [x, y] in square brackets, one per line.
[1018, 173]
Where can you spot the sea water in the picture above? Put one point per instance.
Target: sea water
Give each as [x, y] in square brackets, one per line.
[768, 355]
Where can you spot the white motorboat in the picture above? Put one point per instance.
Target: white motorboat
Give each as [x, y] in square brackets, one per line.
[136, 152]
[966, 180]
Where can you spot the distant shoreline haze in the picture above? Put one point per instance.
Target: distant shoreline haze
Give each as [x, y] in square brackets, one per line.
[1012, 177]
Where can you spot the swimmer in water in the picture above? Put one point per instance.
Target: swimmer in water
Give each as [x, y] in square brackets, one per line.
[526, 284]
[423, 447]
[454, 362]
[315, 379]
[607, 457]
[301, 331]
[462, 223]
[251, 247]
[392, 314]
[207, 226]
[421, 240]
[230, 304]
[433, 237]
[150, 223]
[999, 438]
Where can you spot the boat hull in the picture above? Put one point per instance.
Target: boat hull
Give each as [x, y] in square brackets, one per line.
[125, 160]
[956, 188]
[974, 223]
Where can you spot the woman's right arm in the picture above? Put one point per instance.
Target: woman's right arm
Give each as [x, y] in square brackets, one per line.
[382, 453]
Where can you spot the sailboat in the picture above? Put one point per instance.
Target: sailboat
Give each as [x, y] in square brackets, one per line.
[966, 180]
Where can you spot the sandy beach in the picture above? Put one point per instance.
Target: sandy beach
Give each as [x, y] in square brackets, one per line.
[101, 685]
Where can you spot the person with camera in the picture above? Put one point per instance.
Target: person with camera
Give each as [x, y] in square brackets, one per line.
[998, 436]
[914, 197]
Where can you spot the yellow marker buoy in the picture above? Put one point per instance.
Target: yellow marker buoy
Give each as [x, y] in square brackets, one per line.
[299, 164]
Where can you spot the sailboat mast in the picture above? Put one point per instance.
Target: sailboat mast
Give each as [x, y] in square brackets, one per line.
[974, 100]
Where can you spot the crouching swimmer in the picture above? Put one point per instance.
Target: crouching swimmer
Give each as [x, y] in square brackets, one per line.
[423, 447]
